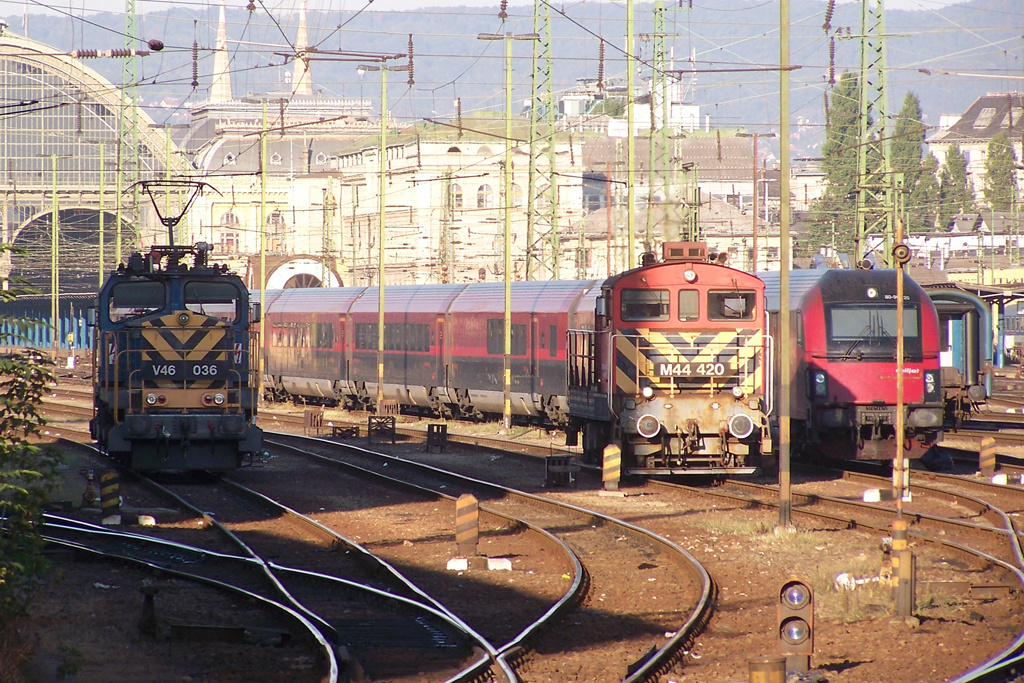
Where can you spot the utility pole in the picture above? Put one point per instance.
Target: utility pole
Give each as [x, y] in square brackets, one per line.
[542, 239]
[630, 145]
[445, 262]
[876, 194]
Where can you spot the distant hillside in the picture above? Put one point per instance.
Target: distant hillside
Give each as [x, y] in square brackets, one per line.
[937, 55]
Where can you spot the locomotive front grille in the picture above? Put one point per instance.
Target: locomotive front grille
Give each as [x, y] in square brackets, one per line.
[687, 361]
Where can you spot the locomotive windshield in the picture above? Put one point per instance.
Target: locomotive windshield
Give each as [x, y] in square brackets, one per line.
[855, 331]
[731, 305]
[216, 299]
[133, 299]
[644, 304]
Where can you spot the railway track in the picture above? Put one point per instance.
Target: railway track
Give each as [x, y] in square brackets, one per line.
[613, 550]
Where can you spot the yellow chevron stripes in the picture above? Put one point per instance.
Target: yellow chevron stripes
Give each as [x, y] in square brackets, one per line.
[202, 338]
[675, 360]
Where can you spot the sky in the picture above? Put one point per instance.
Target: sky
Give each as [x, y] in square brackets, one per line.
[8, 8]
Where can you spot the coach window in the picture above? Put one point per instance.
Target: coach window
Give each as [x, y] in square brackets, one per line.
[133, 299]
[689, 304]
[644, 304]
[215, 299]
[731, 305]
[496, 338]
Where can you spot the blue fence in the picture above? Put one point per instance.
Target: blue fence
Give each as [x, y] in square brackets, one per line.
[73, 329]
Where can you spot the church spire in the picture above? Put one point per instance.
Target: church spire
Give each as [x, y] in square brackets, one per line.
[220, 91]
[302, 79]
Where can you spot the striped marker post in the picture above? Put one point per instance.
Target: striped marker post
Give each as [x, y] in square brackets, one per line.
[987, 456]
[611, 467]
[110, 496]
[467, 524]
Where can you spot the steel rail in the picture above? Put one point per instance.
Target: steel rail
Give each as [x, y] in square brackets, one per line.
[81, 528]
[661, 660]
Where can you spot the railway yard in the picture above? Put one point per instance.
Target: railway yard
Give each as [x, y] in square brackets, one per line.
[346, 552]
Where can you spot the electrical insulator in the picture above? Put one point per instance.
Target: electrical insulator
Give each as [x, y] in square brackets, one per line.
[600, 65]
[826, 108]
[84, 54]
[156, 45]
[458, 114]
[502, 14]
[827, 26]
[195, 64]
[251, 6]
[412, 79]
[832, 60]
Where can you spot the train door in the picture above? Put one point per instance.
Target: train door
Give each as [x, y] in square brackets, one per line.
[534, 387]
[341, 348]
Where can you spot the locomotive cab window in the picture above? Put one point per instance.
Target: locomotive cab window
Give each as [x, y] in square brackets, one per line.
[689, 304]
[731, 305]
[215, 299]
[133, 299]
[643, 304]
[858, 330]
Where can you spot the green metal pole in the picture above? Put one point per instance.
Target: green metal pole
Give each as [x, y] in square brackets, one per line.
[507, 410]
[102, 179]
[263, 241]
[784, 341]
[380, 232]
[630, 144]
[54, 261]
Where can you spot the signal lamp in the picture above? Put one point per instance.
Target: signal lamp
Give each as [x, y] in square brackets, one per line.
[647, 392]
[161, 399]
[690, 276]
[648, 426]
[218, 399]
[183, 318]
[737, 392]
[795, 629]
[151, 399]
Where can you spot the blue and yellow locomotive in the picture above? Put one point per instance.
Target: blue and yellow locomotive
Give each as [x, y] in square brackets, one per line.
[173, 345]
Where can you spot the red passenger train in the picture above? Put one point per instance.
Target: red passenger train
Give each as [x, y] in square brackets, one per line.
[843, 363]
[667, 362]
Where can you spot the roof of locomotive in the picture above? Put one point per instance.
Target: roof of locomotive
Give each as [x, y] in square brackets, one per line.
[660, 269]
[836, 284]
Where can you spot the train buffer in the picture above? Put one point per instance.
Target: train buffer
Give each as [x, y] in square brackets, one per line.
[313, 421]
[437, 437]
[382, 426]
[560, 470]
[345, 431]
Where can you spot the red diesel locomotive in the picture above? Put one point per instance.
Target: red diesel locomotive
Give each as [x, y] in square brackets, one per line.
[843, 363]
[666, 362]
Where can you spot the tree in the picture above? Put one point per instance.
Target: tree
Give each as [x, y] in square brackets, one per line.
[923, 205]
[956, 191]
[28, 474]
[1000, 173]
[833, 218]
[919, 182]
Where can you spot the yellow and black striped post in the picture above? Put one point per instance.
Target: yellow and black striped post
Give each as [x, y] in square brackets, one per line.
[467, 524]
[903, 568]
[110, 494]
[987, 456]
[611, 467]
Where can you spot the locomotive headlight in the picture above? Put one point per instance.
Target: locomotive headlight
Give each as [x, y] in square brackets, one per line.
[647, 392]
[218, 399]
[820, 387]
[741, 426]
[932, 390]
[151, 399]
[648, 426]
[183, 318]
[737, 393]
[690, 276]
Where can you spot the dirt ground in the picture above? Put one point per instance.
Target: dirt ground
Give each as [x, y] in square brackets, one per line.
[84, 625]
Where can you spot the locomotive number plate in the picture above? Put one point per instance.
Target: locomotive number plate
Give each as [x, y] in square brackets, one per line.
[185, 370]
[694, 369]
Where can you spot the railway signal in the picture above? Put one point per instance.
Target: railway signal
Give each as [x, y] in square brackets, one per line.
[795, 629]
